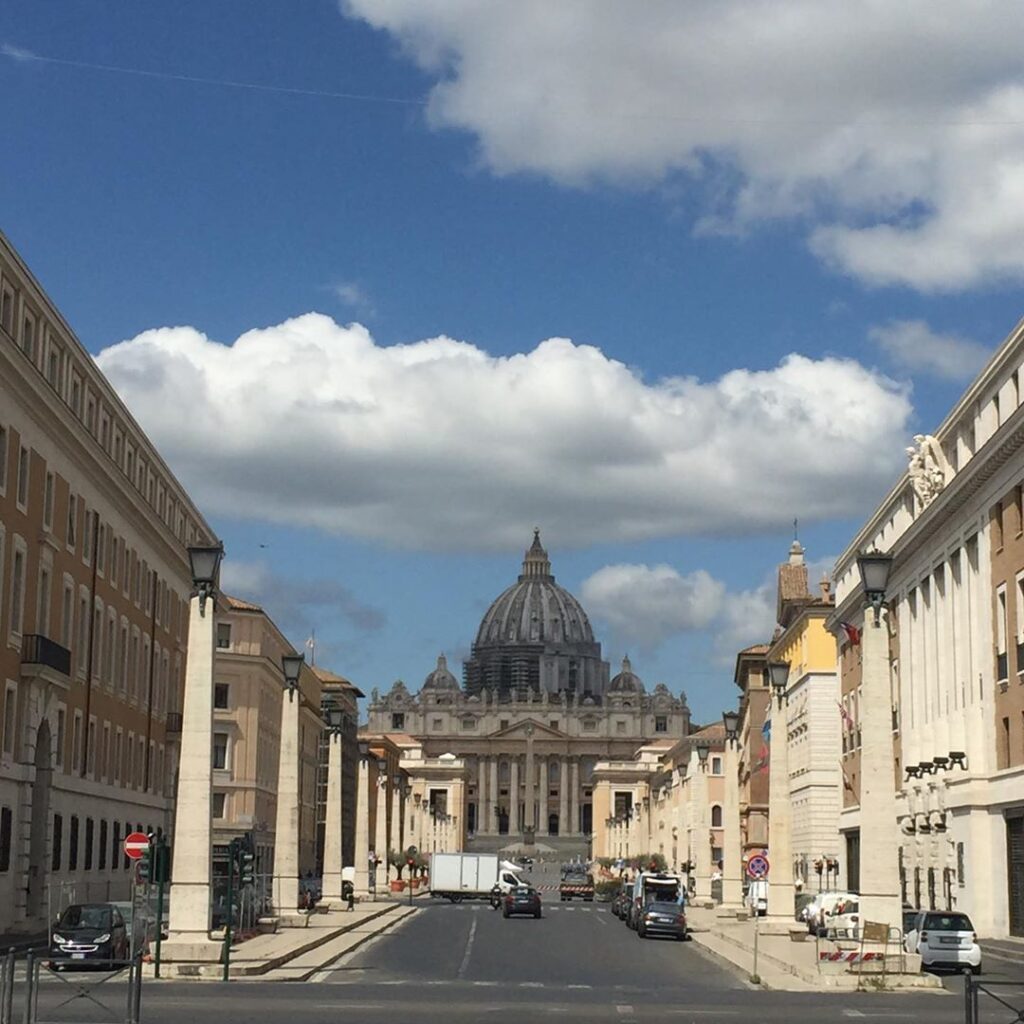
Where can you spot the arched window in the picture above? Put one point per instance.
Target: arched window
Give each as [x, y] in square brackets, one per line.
[716, 816]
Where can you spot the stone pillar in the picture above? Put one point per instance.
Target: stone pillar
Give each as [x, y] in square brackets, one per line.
[362, 849]
[530, 810]
[513, 797]
[543, 787]
[732, 855]
[574, 798]
[563, 797]
[189, 921]
[380, 842]
[286, 828]
[481, 795]
[879, 862]
[493, 799]
[781, 892]
[701, 830]
[332, 824]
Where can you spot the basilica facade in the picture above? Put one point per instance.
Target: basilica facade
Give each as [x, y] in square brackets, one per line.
[536, 711]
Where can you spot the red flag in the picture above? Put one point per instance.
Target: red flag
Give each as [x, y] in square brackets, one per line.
[852, 633]
[847, 719]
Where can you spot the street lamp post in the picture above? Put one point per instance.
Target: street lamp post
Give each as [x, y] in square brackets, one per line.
[335, 720]
[286, 829]
[189, 922]
[702, 823]
[732, 869]
[781, 891]
[879, 872]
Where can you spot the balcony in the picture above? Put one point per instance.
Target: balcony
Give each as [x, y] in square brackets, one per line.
[173, 722]
[45, 659]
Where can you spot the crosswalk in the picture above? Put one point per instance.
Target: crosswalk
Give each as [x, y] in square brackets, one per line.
[568, 908]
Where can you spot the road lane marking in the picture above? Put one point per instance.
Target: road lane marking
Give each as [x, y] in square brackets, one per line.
[469, 949]
[486, 984]
[600, 918]
[579, 986]
[625, 1010]
[531, 984]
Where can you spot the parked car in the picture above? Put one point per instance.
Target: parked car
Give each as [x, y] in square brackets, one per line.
[619, 900]
[523, 899]
[662, 919]
[844, 921]
[88, 932]
[823, 904]
[944, 939]
[800, 905]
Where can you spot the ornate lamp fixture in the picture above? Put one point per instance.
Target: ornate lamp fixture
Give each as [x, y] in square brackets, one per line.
[292, 664]
[874, 569]
[204, 564]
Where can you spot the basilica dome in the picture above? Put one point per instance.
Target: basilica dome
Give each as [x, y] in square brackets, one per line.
[441, 678]
[626, 681]
[535, 609]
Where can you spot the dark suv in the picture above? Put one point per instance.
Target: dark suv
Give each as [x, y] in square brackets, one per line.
[522, 900]
[89, 932]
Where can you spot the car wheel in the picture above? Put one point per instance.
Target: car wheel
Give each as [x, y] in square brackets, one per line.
[505, 913]
[537, 915]
[976, 970]
[681, 937]
[641, 932]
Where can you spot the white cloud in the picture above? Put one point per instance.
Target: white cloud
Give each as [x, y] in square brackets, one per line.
[748, 618]
[355, 297]
[645, 605]
[913, 346]
[436, 444]
[896, 129]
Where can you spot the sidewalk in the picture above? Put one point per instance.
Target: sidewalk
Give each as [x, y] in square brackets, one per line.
[296, 953]
[789, 966]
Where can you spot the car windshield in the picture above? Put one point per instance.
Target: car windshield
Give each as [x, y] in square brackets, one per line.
[523, 891]
[576, 877]
[948, 923]
[85, 917]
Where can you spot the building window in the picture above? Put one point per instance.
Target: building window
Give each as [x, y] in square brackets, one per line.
[10, 720]
[220, 751]
[48, 503]
[220, 696]
[76, 742]
[1002, 669]
[1003, 751]
[103, 845]
[24, 470]
[17, 591]
[397, 720]
[73, 844]
[437, 724]
[28, 338]
[219, 801]
[620, 727]
[7, 311]
[503, 724]
[115, 844]
[72, 524]
[43, 602]
[661, 723]
[468, 724]
[589, 725]
[997, 526]
[89, 838]
[6, 821]
[91, 745]
[716, 766]
[223, 635]
[716, 816]
[61, 737]
[57, 846]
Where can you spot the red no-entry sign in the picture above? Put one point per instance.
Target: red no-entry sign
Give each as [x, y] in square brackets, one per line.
[135, 844]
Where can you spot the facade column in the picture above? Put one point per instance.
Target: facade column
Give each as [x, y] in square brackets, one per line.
[380, 843]
[493, 799]
[286, 828]
[564, 827]
[481, 795]
[576, 825]
[189, 922]
[530, 812]
[781, 892]
[543, 787]
[332, 824]
[732, 855]
[362, 848]
[879, 862]
[513, 797]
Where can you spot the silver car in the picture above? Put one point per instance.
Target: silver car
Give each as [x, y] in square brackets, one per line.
[944, 939]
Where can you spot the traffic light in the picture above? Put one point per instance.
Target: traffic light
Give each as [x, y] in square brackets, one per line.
[246, 868]
[146, 863]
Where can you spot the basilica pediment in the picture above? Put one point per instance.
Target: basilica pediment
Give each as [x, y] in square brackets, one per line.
[520, 730]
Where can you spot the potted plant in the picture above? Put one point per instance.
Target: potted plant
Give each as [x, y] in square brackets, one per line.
[397, 861]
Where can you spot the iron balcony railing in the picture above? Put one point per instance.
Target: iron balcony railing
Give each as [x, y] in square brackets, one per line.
[37, 649]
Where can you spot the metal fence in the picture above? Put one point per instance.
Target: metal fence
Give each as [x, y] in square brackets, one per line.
[993, 1002]
[73, 998]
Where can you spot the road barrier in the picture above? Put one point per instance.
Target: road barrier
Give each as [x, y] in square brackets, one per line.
[992, 1002]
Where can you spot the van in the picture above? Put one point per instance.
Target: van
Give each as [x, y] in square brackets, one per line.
[651, 885]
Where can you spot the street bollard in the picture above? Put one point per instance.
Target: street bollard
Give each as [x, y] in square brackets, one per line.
[30, 979]
[7, 988]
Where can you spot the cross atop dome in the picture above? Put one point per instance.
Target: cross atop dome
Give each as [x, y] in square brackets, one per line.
[536, 565]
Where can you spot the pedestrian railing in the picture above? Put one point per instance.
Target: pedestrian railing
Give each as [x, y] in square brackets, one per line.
[993, 1002]
[21, 973]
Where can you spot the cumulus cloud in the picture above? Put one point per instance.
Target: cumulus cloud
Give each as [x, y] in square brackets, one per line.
[748, 617]
[896, 131]
[645, 605]
[913, 346]
[436, 444]
[299, 605]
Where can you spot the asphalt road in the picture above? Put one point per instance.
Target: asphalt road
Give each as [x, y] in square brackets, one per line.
[449, 964]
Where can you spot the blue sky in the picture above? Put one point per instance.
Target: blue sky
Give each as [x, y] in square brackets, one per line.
[688, 209]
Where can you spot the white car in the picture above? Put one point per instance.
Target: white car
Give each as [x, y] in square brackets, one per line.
[823, 904]
[944, 938]
[844, 921]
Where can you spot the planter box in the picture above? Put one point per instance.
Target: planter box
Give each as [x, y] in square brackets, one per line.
[397, 885]
[799, 934]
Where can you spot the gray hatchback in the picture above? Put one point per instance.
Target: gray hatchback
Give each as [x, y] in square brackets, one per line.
[662, 919]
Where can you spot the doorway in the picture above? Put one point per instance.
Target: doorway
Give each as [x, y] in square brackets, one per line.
[1015, 870]
[552, 824]
[38, 830]
[853, 861]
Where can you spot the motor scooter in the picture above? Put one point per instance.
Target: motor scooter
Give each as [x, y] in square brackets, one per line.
[495, 898]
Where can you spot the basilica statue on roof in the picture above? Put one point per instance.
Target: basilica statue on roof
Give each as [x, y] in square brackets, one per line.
[535, 712]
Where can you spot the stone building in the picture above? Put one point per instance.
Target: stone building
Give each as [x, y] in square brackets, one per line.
[535, 714]
[954, 524]
[94, 590]
[753, 763]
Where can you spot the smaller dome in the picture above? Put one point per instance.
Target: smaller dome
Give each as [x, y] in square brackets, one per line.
[626, 681]
[441, 678]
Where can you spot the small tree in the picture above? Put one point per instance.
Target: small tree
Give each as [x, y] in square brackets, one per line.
[397, 861]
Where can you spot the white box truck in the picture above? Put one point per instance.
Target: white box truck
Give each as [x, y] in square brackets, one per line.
[469, 876]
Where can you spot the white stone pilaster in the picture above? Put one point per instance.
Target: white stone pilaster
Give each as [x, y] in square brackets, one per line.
[493, 799]
[286, 829]
[732, 855]
[332, 824]
[575, 825]
[513, 797]
[543, 787]
[564, 827]
[781, 892]
[362, 847]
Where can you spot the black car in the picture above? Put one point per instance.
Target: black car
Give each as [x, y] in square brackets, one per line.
[89, 932]
[522, 900]
[662, 919]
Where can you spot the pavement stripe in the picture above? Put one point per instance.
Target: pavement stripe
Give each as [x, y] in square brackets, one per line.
[469, 949]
